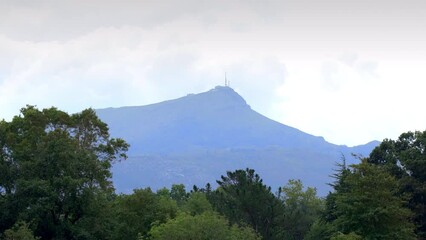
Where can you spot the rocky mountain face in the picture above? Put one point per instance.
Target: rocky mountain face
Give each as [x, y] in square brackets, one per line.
[197, 138]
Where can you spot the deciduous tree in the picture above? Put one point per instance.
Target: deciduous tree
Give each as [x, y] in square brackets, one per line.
[301, 209]
[53, 167]
[208, 225]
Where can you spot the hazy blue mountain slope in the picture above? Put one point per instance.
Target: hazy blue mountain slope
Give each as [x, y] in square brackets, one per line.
[195, 139]
[215, 119]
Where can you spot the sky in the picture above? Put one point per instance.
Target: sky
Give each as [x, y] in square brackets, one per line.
[351, 71]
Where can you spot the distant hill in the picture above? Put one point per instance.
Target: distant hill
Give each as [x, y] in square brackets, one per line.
[197, 138]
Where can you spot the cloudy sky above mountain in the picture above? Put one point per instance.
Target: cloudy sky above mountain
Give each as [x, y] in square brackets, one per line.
[351, 71]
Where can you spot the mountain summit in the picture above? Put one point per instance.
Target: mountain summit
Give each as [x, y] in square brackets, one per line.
[192, 119]
[196, 138]
[219, 118]
[218, 98]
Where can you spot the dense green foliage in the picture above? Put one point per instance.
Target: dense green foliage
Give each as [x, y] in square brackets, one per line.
[55, 171]
[55, 183]
[301, 210]
[365, 204]
[405, 159]
[208, 225]
[243, 198]
[19, 231]
[370, 207]
[135, 213]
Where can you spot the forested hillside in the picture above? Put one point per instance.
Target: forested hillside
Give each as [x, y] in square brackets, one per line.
[55, 183]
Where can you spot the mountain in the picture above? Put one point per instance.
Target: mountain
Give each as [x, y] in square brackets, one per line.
[197, 138]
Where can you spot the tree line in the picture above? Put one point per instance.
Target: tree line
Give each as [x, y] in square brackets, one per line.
[55, 183]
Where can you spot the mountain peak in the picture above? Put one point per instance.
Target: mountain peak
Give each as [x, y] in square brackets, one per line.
[194, 139]
[222, 88]
[220, 96]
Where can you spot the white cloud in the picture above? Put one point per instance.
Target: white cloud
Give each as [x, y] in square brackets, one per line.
[362, 103]
[319, 68]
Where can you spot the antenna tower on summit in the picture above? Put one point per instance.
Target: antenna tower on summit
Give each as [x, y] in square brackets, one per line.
[226, 81]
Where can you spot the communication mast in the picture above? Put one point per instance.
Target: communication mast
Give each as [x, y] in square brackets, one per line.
[226, 81]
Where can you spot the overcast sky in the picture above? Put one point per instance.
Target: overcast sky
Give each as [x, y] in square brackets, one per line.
[348, 70]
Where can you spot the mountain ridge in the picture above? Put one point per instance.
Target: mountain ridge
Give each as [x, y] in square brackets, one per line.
[211, 127]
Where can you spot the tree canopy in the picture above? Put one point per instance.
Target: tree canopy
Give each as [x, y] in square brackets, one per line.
[208, 225]
[301, 209]
[54, 166]
[243, 198]
[371, 207]
[405, 159]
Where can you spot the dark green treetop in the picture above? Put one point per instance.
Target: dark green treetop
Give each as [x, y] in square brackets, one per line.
[54, 166]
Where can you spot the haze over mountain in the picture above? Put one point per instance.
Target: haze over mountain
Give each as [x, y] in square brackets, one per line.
[197, 138]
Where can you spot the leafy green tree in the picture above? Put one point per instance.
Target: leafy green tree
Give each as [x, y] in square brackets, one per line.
[242, 233]
[350, 236]
[244, 199]
[135, 213]
[164, 192]
[197, 203]
[405, 159]
[53, 166]
[178, 193]
[99, 219]
[301, 209]
[19, 231]
[320, 230]
[370, 206]
[208, 225]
